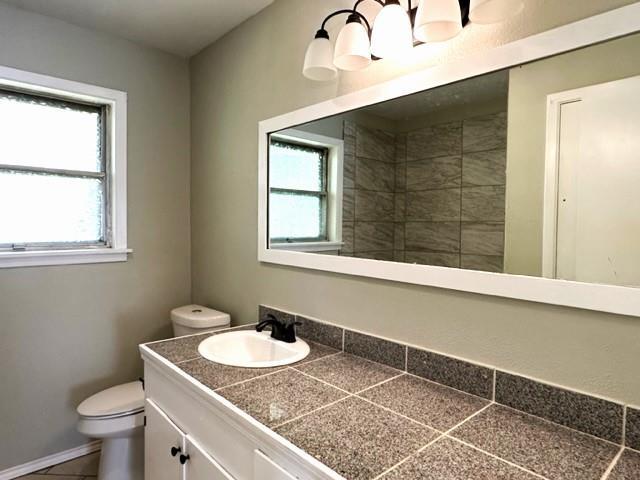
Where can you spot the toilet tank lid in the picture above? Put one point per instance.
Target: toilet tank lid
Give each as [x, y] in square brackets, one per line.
[197, 316]
[118, 400]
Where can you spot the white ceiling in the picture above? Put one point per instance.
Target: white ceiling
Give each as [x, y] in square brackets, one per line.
[182, 27]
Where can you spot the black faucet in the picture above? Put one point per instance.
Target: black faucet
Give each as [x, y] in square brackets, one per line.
[285, 331]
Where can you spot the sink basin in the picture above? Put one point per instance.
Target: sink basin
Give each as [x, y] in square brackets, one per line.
[252, 349]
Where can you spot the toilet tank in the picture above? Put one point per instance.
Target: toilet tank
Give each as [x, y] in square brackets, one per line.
[191, 319]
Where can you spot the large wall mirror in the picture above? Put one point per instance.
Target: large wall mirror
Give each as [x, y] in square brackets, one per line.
[530, 170]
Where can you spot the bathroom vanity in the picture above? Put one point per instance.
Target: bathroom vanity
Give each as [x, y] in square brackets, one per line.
[192, 433]
[361, 407]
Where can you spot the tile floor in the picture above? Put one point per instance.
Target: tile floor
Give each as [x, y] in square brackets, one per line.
[83, 468]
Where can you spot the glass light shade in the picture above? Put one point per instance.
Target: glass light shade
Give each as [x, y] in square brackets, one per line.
[318, 61]
[353, 51]
[437, 20]
[392, 34]
[493, 11]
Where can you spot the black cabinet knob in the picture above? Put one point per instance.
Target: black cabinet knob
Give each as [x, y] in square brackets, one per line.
[184, 458]
[175, 451]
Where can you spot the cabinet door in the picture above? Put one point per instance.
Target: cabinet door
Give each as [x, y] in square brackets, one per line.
[161, 435]
[265, 469]
[201, 466]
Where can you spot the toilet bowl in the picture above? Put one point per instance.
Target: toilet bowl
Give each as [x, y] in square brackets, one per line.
[116, 415]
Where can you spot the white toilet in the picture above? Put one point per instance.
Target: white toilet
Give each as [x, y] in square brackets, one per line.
[116, 415]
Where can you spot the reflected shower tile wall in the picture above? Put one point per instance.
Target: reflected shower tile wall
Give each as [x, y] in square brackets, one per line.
[484, 263]
[432, 237]
[348, 205]
[434, 205]
[484, 238]
[375, 144]
[432, 173]
[451, 260]
[375, 175]
[435, 141]
[483, 204]
[374, 206]
[487, 132]
[484, 168]
[373, 237]
[430, 196]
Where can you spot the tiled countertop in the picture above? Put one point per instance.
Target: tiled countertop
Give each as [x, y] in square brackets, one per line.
[366, 420]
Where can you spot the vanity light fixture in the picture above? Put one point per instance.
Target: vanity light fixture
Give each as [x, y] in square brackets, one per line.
[395, 30]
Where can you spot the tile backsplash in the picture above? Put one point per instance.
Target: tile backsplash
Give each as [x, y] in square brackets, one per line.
[585, 413]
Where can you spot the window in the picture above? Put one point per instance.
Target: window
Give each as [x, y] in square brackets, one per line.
[298, 192]
[52, 173]
[62, 177]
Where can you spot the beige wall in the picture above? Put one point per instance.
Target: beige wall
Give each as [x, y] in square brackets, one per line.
[253, 73]
[529, 86]
[67, 332]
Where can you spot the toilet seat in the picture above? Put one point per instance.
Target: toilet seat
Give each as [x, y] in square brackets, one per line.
[111, 427]
[115, 402]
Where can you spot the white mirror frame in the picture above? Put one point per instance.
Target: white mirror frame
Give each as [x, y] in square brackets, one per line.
[607, 298]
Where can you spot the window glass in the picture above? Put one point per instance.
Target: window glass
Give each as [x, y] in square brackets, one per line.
[297, 203]
[52, 173]
[39, 132]
[295, 216]
[296, 167]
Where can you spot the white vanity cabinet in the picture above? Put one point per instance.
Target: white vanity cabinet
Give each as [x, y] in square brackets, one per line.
[170, 454]
[216, 440]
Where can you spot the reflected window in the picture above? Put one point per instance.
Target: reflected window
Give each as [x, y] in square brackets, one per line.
[298, 192]
[53, 173]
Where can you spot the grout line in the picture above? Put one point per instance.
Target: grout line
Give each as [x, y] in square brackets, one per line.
[462, 442]
[612, 465]
[302, 362]
[217, 390]
[431, 442]
[315, 410]
[467, 419]
[380, 383]
[624, 426]
[398, 414]
[188, 360]
[321, 381]
[495, 384]
[406, 358]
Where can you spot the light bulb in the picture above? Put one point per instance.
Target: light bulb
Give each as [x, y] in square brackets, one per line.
[437, 20]
[493, 11]
[318, 61]
[353, 50]
[392, 36]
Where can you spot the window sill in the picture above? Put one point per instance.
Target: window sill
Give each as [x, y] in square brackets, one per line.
[308, 246]
[62, 257]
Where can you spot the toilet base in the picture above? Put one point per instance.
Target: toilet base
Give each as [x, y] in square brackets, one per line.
[122, 458]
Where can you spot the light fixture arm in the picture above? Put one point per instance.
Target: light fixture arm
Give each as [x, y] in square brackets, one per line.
[345, 12]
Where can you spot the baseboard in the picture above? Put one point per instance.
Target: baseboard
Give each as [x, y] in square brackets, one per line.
[49, 461]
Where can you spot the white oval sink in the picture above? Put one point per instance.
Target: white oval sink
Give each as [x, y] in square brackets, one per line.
[252, 349]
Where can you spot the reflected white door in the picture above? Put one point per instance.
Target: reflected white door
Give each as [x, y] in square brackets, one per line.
[597, 236]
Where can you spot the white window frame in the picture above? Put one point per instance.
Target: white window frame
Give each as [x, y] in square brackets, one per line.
[335, 161]
[116, 125]
[606, 298]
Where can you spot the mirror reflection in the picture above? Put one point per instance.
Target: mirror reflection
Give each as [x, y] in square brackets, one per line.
[531, 170]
